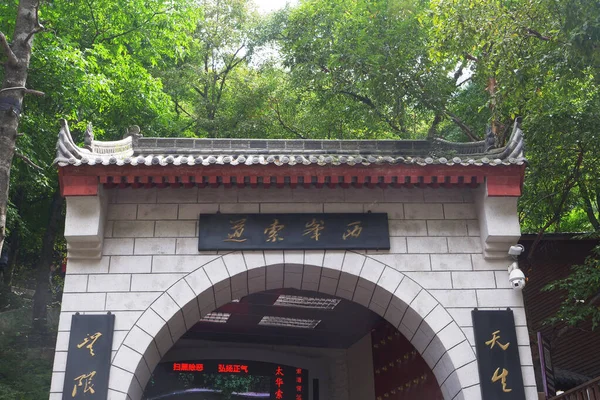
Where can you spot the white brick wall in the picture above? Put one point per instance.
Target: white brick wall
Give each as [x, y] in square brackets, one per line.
[426, 284]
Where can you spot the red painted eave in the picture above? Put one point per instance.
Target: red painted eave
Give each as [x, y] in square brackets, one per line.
[502, 180]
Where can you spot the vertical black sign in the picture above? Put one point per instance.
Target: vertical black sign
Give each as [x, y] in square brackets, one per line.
[498, 355]
[88, 359]
[548, 379]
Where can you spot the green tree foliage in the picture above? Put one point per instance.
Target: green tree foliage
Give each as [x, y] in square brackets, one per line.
[213, 85]
[540, 59]
[25, 367]
[582, 294]
[542, 56]
[366, 67]
[324, 69]
[98, 69]
[94, 61]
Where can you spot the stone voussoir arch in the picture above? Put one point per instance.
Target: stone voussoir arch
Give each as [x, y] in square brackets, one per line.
[346, 274]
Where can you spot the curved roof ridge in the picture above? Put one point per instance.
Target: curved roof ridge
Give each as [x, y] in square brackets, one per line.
[135, 150]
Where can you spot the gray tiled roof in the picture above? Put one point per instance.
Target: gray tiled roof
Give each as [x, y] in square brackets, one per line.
[136, 150]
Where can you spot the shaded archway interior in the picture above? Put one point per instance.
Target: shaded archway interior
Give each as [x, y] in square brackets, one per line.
[339, 327]
[301, 318]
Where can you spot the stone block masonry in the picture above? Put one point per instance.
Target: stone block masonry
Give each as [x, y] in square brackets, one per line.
[151, 275]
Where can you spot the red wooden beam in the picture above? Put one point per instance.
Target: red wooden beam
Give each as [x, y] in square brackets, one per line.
[504, 186]
[83, 180]
[79, 185]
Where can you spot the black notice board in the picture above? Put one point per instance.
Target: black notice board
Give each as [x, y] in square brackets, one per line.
[498, 355]
[88, 359]
[367, 231]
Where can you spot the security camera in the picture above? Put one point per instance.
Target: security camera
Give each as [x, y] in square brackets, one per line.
[516, 250]
[516, 277]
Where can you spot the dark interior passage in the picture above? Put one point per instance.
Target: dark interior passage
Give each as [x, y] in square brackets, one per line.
[355, 354]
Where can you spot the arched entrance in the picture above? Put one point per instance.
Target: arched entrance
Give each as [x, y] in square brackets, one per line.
[325, 348]
[349, 275]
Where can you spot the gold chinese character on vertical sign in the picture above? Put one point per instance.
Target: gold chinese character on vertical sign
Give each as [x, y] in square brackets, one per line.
[273, 230]
[495, 339]
[353, 231]
[237, 227]
[314, 228]
[502, 378]
[91, 339]
[79, 382]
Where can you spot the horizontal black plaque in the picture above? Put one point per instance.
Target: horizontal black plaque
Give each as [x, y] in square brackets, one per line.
[88, 359]
[293, 231]
[498, 355]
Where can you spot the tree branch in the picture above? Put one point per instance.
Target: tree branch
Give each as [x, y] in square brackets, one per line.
[595, 299]
[462, 126]
[470, 57]
[368, 102]
[589, 208]
[96, 28]
[25, 90]
[13, 61]
[28, 161]
[459, 72]
[182, 109]
[199, 91]
[433, 128]
[465, 81]
[538, 201]
[569, 184]
[222, 76]
[38, 27]
[33, 32]
[283, 124]
[532, 32]
[127, 32]
[598, 201]
[233, 64]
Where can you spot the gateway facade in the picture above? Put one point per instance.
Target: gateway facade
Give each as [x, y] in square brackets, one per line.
[351, 323]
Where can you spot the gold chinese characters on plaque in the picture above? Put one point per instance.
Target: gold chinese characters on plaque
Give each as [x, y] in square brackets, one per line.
[88, 358]
[293, 231]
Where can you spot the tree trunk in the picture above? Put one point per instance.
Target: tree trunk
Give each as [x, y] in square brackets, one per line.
[42, 288]
[588, 206]
[491, 88]
[13, 89]
[14, 243]
[434, 125]
[14, 239]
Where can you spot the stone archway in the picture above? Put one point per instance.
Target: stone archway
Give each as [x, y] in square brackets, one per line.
[350, 275]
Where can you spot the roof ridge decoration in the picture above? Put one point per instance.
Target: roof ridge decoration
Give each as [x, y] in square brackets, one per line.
[135, 150]
[95, 151]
